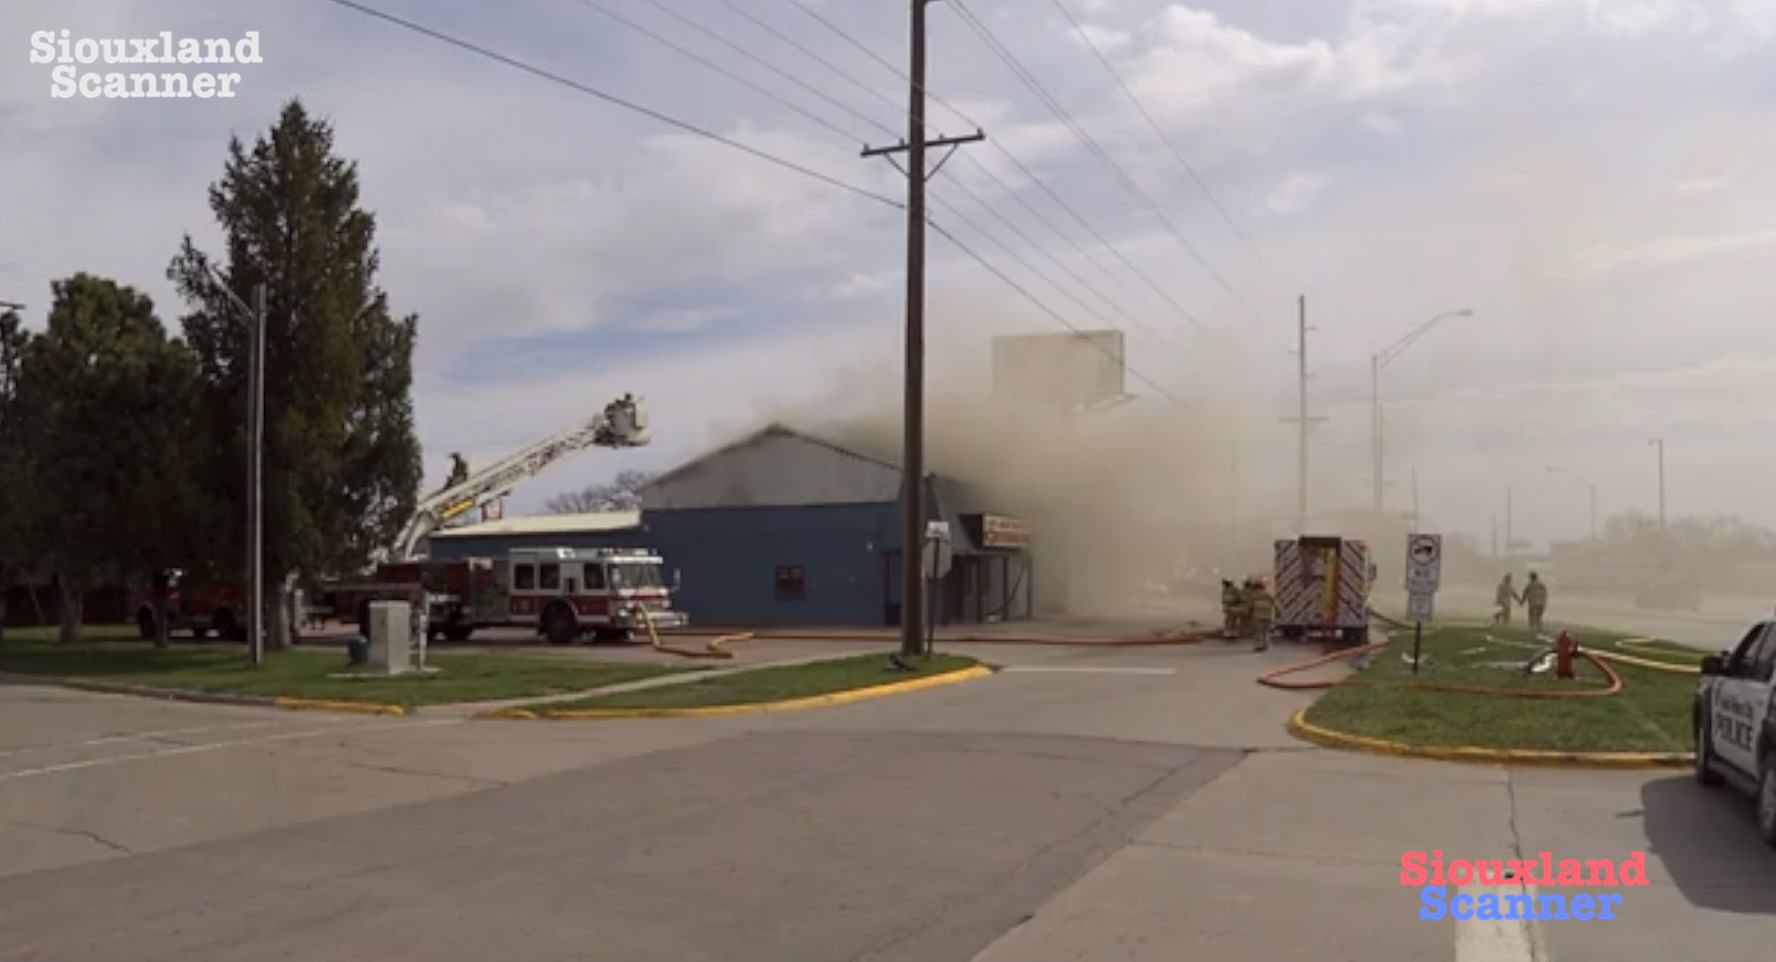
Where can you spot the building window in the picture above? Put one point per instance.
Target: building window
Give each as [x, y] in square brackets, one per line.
[523, 577]
[549, 577]
[792, 584]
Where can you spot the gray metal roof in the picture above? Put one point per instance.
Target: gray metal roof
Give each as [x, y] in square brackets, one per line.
[775, 467]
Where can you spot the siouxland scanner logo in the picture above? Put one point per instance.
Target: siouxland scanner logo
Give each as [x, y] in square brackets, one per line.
[72, 55]
[1513, 880]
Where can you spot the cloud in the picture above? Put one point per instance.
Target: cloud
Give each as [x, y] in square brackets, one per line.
[1382, 123]
[1700, 185]
[1295, 192]
[1671, 251]
[1636, 18]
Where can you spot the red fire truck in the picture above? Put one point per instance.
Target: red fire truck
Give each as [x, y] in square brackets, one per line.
[563, 593]
[200, 606]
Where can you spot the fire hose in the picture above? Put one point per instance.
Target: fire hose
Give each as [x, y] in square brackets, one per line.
[715, 649]
[1271, 678]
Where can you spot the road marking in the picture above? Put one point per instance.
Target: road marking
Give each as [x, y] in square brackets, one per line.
[132, 736]
[1498, 940]
[1072, 669]
[216, 746]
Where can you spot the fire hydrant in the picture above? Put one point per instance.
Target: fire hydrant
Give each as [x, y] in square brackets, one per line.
[1564, 647]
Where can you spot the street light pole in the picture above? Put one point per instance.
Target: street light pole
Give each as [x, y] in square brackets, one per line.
[1660, 444]
[255, 562]
[1377, 361]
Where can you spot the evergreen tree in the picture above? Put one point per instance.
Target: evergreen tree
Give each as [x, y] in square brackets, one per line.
[99, 486]
[341, 461]
[13, 338]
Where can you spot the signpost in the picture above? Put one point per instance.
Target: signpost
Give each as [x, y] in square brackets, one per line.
[938, 558]
[1424, 570]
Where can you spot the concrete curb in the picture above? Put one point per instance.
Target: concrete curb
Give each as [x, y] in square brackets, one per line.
[1305, 730]
[705, 711]
[1115, 642]
[203, 697]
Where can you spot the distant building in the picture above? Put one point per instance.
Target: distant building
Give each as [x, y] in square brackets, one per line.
[783, 528]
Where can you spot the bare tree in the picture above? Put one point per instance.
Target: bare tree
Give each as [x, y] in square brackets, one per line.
[622, 493]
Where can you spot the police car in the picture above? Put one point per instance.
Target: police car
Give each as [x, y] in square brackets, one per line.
[1735, 721]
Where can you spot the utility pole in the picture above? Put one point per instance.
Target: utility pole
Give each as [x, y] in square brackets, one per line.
[256, 483]
[1301, 419]
[912, 466]
[1659, 443]
[1375, 427]
[1510, 538]
[1415, 499]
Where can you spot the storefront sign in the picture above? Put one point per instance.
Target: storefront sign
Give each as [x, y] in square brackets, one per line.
[998, 531]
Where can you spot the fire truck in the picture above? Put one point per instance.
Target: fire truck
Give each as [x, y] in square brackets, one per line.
[563, 593]
[199, 606]
[1322, 589]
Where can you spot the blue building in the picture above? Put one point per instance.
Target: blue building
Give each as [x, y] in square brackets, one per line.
[782, 528]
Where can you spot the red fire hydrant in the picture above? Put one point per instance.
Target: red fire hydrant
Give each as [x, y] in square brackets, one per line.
[1563, 655]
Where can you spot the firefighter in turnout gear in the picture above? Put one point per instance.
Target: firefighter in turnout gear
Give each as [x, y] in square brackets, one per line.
[1230, 608]
[1535, 599]
[1261, 606]
[1504, 599]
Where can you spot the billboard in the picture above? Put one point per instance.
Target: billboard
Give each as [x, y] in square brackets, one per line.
[1063, 369]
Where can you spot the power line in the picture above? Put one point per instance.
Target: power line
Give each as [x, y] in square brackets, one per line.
[718, 68]
[755, 58]
[959, 184]
[615, 100]
[1078, 218]
[1035, 85]
[1052, 313]
[737, 145]
[1157, 129]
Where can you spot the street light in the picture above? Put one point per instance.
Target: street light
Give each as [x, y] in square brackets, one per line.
[255, 318]
[1555, 469]
[1379, 360]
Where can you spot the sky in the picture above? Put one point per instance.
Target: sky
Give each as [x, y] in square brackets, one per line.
[1585, 176]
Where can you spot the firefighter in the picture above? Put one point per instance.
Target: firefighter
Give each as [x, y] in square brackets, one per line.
[459, 470]
[1262, 608]
[1535, 598]
[1504, 598]
[1230, 605]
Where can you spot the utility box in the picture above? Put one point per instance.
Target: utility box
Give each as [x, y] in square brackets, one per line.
[391, 636]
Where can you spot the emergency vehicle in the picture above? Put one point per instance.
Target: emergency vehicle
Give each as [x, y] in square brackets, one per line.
[1322, 588]
[563, 593]
[1734, 722]
[200, 607]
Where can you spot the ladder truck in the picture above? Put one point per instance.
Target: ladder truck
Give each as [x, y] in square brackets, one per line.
[461, 596]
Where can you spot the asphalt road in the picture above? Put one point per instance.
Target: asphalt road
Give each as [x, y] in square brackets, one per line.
[1126, 804]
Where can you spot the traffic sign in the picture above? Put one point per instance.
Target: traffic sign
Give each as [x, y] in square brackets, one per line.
[1424, 563]
[939, 552]
[1419, 608]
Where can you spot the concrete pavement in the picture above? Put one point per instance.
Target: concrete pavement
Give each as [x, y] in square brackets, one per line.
[1082, 804]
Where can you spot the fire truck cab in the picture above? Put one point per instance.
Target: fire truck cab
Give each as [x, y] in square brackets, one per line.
[199, 607]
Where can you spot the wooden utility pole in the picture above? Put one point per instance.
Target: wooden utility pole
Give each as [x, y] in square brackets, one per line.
[912, 463]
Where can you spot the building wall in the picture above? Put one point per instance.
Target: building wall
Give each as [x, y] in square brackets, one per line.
[728, 558]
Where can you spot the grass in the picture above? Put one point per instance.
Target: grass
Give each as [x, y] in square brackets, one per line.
[775, 684]
[303, 673]
[1384, 700]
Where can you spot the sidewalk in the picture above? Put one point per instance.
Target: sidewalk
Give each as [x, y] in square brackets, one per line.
[1147, 630]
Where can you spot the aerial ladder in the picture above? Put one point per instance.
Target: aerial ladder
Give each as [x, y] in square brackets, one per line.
[622, 424]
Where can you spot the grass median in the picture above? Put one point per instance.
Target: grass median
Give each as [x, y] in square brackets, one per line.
[306, 673]
[773, 684]
[1385, 700]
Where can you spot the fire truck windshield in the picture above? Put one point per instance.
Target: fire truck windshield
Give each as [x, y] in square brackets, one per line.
[636, 574]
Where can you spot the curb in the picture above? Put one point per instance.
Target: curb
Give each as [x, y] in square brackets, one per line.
[204, 697]
[346, 707]
[1307, 731]
[705, 711]
[1117, 642]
